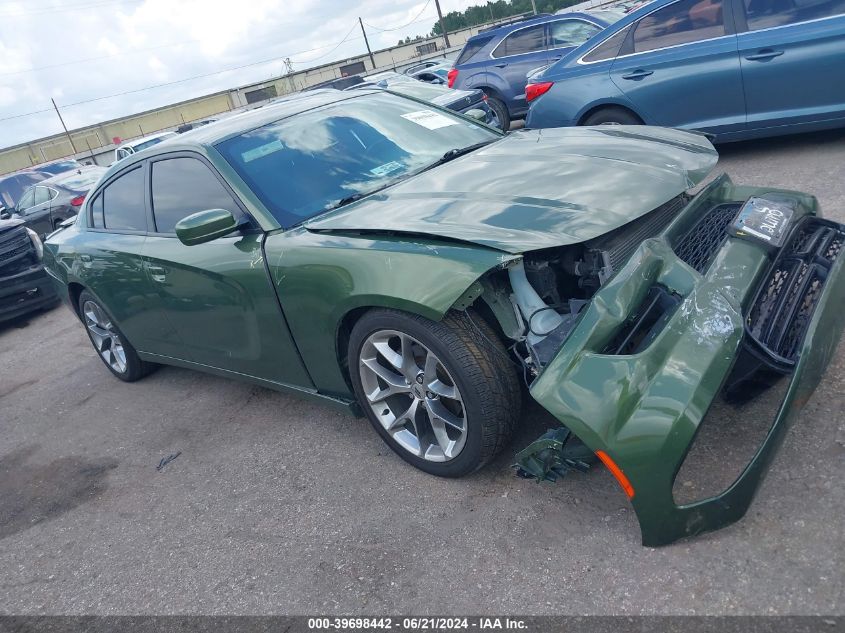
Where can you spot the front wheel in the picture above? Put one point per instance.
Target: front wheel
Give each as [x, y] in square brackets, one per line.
[444, 396]
[501, 112]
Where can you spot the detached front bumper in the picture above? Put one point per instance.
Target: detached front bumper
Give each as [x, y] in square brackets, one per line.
[642, 410]
[25, 292]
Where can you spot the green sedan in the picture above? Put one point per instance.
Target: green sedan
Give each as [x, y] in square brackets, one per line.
[415, 266]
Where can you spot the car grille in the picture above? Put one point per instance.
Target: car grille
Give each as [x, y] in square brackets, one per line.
[698, 246]
[16, 252]
[784, 305]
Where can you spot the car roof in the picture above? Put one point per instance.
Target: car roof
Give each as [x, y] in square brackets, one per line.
[144, 139]
[60, 179]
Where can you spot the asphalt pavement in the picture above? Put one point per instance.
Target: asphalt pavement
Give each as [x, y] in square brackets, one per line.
[278, 505]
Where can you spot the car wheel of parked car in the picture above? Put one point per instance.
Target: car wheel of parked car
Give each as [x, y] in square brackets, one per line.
[112, 347]
[444, 396]
[501, 112]
[613, 115]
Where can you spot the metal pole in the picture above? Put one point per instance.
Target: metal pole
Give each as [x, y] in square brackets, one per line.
[442, 24]
[72, 146]
[367, 42]
[534, 7]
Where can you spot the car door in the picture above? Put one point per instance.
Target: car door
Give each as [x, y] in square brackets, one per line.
[110, 259]
[680, 67]
[792, 54]
[37, 216]
[519, 52]
[218, 296]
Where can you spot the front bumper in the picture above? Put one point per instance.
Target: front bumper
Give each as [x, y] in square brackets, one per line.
[644, 409]
[25, 292]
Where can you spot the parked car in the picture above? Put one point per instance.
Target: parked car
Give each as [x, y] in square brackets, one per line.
[136, 145]
[60, 166]
[43, 207]
[429, 63]
[469, 102]
[13, 185]
[497, 60]
[24, 285]
[737, 69]
[437, 73]
[414, 265]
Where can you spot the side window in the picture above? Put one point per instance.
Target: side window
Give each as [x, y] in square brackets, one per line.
[679, 23]
[471, 48]
[764, 14]
[27, 199]
[522, 41]
[97, 212]
[42, 195]
[570, 33]
[609, 48]
[123, 202]
[182, 186]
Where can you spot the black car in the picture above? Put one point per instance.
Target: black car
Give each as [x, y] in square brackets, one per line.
[24, 285]
[44, 206]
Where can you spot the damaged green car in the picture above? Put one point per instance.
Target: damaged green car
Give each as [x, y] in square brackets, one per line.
[418, 267]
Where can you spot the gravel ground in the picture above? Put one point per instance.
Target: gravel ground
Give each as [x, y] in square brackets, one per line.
[278, 505]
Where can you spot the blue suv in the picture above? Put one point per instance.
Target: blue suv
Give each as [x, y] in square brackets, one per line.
[498, 59]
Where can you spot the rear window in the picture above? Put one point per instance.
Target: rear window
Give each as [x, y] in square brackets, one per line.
[764, 14]
[679, 23]
[471, 48]
[609, 48]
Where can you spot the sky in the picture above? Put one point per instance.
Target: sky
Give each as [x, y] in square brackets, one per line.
[81, 50]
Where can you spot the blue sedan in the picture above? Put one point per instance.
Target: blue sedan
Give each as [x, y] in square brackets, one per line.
[737, 69]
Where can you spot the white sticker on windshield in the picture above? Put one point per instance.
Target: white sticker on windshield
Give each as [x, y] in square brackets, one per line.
[262, 151]
[430, 119]
[383, 170]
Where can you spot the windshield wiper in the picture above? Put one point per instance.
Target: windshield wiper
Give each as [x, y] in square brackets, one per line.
[454, 153]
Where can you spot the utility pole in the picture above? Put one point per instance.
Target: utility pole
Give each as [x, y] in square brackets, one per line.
[534, 7]
[442, 24]
[367, 42]
[72, 146]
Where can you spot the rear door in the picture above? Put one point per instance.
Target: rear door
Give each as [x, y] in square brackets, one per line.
[521, 51]
[792, 55]
[680, 67]
[218, 296]
[111, 261]
[38, 216]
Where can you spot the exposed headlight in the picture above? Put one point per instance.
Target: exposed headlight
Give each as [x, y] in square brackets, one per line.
[36, 243]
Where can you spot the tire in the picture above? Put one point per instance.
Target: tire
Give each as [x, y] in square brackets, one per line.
[613, 115]
[111, 345]
[501, 112]
[469, 391]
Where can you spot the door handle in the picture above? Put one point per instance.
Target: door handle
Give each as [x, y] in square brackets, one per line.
[157, 273]
[638, 74]
[502, 65]
[764, 54]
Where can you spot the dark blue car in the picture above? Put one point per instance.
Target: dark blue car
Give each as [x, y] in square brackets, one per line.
[734, 68]
[497, 60]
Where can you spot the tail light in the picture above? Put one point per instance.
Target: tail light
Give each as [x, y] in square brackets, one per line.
[484, 96]
[77, 201]
[451, 76]
[532, 91]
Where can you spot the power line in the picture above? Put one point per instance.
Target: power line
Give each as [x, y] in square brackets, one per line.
[396, 28]
[65, 9]
[345, 37]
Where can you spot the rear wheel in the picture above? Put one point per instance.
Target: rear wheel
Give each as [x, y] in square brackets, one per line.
[444, 396]
[111, 346]
[501, 112]
[613, 115]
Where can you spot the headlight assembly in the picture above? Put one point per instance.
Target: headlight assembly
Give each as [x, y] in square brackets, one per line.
[36, 243]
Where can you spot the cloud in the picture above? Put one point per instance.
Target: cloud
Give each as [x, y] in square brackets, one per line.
[139, 43]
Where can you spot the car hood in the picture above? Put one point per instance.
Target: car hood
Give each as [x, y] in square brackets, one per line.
[537, 188]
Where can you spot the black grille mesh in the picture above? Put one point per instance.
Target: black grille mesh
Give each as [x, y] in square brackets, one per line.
[14, 246]
[699, 244]
[784, 305]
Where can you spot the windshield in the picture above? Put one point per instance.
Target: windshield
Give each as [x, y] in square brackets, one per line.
[608, 15]
[310, 162]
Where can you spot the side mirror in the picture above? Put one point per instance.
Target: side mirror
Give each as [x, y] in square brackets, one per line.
[478, 115]
[4, 214]
[205, 226]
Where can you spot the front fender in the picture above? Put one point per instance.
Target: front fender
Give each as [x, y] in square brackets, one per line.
[321, 277]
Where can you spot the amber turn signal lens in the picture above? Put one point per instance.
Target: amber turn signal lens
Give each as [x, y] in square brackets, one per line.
[616, 472]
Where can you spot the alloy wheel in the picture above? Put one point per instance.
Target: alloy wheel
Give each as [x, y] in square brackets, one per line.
[104, 336]
[413, 395]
